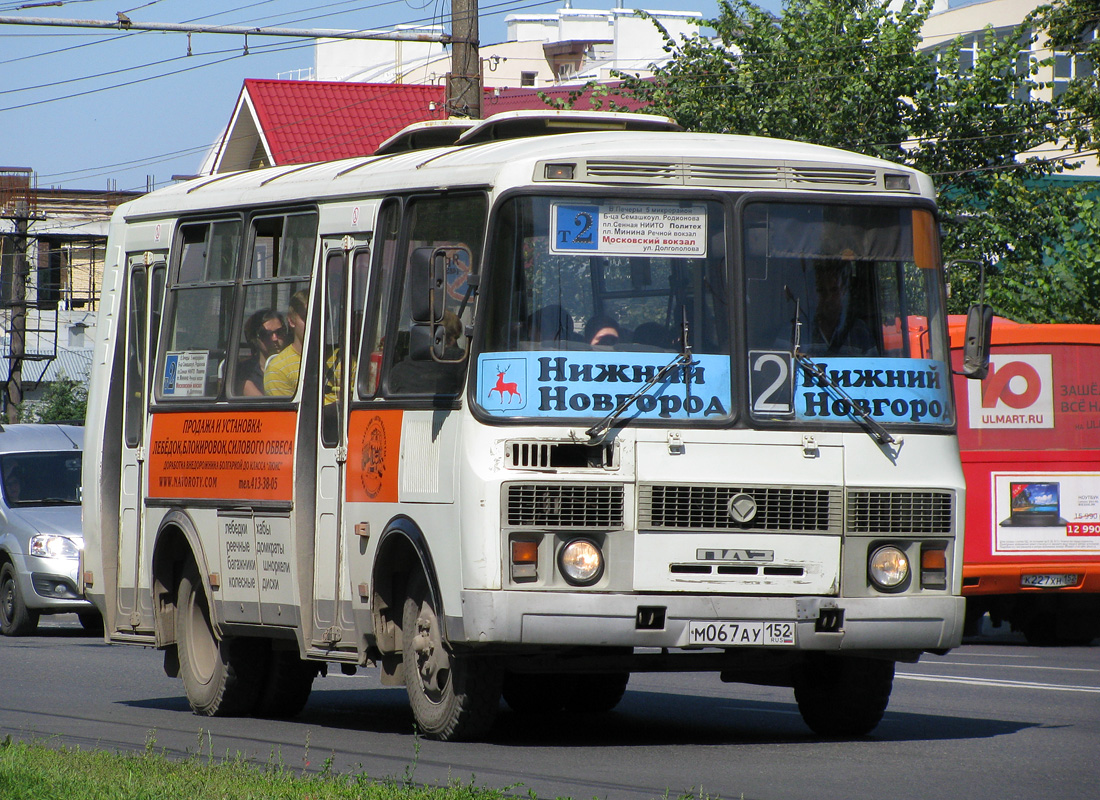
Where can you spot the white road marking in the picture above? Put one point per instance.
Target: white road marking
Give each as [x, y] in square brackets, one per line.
[1006, 666]
[1002, 684]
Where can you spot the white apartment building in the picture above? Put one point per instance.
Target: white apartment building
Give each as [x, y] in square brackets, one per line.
[542, 50]
[970, 19]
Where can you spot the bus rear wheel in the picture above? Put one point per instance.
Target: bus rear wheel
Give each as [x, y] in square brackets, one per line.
[454, 696]
[222, 677]
[843, 695]
[287, 687]
[595, 693]
[533, 693]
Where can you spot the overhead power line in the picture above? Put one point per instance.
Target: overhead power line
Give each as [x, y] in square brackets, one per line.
[123, 23]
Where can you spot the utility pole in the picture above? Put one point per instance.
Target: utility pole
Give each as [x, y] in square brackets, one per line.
[18, 203]
[17, 334]
[464, 81]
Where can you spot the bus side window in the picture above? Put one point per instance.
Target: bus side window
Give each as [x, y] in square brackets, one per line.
[333, 351]
[201, 299]
[377, 304]
[452, 227]
[276, 293]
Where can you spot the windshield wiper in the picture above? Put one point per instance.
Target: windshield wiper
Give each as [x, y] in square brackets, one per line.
[874, 427]
[599, 431]
[796, 336]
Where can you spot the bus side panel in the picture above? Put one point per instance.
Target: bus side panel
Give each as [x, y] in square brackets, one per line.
[244, 462]
[101, 472]
[103, 460]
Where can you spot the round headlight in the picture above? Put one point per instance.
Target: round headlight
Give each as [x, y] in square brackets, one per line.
[581, 562]
[888, 567]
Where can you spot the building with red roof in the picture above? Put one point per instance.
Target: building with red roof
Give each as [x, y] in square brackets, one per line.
[297, 122]
[278, 122]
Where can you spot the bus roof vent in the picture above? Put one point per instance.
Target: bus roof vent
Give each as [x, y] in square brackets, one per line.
[427, 134]
[835, 177]
[634, 171]
[522, 124]
[734, 174]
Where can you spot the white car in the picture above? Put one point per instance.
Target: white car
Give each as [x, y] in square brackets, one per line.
[40, 533]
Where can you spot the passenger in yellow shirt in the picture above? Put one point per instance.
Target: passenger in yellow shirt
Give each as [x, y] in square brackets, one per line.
[281, 372]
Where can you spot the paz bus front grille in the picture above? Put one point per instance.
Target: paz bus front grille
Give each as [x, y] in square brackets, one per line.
[780, 508]
[900, 512]
[568, 506]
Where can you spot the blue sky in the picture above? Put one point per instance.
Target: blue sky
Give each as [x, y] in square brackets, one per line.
[86, 107]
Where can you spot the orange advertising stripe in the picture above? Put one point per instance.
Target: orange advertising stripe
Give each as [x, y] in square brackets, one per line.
[374, 453]
[235, 455]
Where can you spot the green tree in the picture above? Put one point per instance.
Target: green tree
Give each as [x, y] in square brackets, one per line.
[848, 73]
[832, 72]
[64, 400]
[1072, 26]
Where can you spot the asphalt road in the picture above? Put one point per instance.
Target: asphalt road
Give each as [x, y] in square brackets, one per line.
[993, 720]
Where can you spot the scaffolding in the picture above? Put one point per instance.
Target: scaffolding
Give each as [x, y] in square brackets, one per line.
[19, 203]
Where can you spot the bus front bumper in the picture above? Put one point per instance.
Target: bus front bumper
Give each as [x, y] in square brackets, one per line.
[610, 620]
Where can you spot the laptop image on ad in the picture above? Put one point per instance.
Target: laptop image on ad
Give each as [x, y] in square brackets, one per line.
[1033, 505]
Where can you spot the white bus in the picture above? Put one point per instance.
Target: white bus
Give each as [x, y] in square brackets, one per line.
[524, 414]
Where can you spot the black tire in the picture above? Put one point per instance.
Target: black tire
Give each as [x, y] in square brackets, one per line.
[222, 678]
[453, 696]
[533, 693]
[91, 622]
[1041, 629]
[595, 693]
[15, 618]
[843, 695]
[287, 687]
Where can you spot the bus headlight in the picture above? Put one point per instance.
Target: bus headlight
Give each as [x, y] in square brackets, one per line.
[581, 562]
[888, 568]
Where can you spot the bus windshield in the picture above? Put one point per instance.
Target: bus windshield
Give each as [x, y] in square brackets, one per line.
[836, 295]
[590, 297]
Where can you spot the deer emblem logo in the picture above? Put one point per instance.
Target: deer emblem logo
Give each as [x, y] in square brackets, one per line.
[502, 387]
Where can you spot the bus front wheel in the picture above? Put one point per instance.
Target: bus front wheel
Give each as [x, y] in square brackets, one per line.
[453, 696]
[221, 676]
[843, 695]
[584, 693]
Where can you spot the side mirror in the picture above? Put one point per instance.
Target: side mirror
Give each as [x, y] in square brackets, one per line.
[420, 342]
[979, 329]
[427, 270]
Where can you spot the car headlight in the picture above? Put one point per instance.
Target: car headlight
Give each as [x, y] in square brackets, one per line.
[888, 567]
[51, 545]
[581, 562]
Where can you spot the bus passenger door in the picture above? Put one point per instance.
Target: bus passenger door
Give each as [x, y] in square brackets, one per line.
[145, 290]
[333, 625]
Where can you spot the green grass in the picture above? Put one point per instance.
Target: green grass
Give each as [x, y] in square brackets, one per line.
[36, 771]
